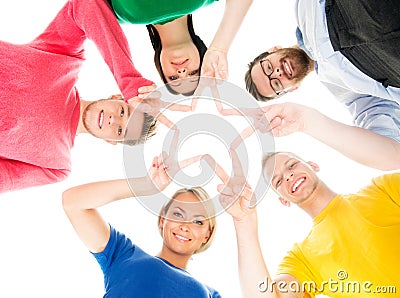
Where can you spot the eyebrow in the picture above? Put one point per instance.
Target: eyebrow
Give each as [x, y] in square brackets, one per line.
[129, 115]
[286, 163]
[195, 216]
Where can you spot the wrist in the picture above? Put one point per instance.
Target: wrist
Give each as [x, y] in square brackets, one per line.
[218, 49]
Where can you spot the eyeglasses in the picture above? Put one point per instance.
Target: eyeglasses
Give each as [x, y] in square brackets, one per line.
[275, 84]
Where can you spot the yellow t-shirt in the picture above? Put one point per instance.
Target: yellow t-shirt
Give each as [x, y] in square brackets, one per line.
[353, 248]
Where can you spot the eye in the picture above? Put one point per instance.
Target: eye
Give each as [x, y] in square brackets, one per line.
[178, 214]
[119, 131]
[278, 182]
[122, 113]
[173, 78]
[292, 165]
[277, 85]
[198, 222]
[269, 67]
[192, 73]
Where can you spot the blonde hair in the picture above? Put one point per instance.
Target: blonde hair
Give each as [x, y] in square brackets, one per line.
[203, 197]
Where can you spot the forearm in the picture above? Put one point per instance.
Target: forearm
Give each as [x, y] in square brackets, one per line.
[235, 11]
[97, 194]
[81, 202]
[98, 22]
[377, 151]
[252, 268]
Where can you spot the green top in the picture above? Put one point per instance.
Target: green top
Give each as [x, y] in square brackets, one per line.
[155, 11]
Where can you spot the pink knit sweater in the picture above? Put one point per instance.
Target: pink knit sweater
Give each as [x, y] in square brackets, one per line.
[39, 104]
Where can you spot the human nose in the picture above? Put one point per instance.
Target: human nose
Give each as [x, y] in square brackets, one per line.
[184, 226]
[276, 73]
[113, 120]
[288, 175]
[182, 72]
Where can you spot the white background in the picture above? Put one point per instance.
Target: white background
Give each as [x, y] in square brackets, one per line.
[40, 255]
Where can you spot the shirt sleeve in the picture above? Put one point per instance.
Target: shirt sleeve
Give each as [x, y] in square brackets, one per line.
[93, 19]
[293, 265]
[214, 293]
[379, 115]
[117, 246]
[16, 175]
[390, 185]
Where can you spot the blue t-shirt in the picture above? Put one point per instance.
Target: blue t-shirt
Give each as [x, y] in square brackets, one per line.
[130, 272]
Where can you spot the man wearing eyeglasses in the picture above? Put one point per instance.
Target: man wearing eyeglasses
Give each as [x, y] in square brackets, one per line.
[353, 45]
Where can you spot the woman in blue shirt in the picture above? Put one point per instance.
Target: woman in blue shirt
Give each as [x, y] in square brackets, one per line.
[186, 222]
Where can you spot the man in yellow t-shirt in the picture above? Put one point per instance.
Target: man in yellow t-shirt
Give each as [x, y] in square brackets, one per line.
[352, 250]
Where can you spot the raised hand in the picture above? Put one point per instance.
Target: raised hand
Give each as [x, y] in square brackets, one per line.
[165, 166]
[236, 195]
[287, 118]
[215, 64]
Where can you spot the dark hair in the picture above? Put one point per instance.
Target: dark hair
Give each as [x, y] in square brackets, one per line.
[157, 46]
[149, 129]
[250, 86]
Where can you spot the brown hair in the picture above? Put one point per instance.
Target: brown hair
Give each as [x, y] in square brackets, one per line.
[149, 129]
[250, 86]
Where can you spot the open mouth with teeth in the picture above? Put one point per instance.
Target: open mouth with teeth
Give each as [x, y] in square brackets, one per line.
[101, 119]
[297, 184]
[181, 238]
[288, 68]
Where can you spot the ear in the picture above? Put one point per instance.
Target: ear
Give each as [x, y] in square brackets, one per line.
[274, 49]
[294, 88]
[115, 96]
[284, 202]
[206, 237]
[314, 166]
[111, 142]
[161, 222]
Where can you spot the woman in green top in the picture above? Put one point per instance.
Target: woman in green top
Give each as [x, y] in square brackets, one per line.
[180, 56]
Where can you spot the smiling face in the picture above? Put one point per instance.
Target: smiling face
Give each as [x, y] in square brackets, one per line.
[185, 226]
[108, 119]
[181, 67]
[287, 66]
[293, 179]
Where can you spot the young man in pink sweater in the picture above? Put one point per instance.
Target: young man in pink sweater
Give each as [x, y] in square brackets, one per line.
[41, 111]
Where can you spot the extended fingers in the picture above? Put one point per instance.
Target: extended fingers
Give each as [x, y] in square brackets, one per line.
[189, 161]
[216, 167]
[236, 164]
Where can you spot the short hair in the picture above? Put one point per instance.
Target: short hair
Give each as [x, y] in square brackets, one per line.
[157, 46]
[250, 86]
[204, 198]
[269, 155]
[149, 129]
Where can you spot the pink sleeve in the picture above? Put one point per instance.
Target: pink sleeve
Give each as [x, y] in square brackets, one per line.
[100, 24]
[79, 20]
[16, 175]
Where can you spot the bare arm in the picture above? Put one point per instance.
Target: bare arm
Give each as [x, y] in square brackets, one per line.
[378, 151]
[80, 205]
[81, 202]
[236, 196]
[215, 62]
